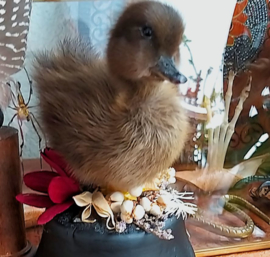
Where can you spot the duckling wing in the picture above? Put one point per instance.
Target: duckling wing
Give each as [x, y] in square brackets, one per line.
[73, 74]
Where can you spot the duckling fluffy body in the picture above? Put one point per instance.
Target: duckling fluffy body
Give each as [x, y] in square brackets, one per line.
[116, 121]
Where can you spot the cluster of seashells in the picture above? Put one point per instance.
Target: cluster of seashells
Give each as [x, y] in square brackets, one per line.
[135, 210]
[133, 206]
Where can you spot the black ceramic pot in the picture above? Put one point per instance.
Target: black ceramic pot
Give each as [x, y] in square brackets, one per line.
[63, 237]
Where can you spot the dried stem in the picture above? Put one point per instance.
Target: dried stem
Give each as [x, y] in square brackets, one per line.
[191, 57]
[220, 137]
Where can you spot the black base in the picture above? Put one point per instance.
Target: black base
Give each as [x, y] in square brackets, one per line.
[62, 237]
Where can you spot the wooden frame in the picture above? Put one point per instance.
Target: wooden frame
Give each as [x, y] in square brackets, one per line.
[232, 250]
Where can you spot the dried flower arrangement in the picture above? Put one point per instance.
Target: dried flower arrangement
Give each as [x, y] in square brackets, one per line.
[146, 208]
[214, 177]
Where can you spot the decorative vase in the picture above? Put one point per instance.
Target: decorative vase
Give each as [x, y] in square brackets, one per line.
[12, 230]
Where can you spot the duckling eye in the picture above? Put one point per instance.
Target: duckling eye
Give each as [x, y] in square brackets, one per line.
[147, 32]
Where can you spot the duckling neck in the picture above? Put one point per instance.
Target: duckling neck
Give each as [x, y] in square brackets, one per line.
[137, 91]
[131, 87]
[145, 89]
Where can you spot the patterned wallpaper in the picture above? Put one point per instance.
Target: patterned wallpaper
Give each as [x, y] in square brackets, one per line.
[96, 19]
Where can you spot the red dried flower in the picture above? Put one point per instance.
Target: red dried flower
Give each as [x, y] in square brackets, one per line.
[56, 189]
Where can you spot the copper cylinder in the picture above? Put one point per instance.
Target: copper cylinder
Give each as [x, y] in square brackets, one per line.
[12, 230]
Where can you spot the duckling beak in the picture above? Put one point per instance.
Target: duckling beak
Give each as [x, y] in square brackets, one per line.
[167, 70]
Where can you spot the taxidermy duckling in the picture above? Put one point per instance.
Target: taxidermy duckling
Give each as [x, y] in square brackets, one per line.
[118, 122]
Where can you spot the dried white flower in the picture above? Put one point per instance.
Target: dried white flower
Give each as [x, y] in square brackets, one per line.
[116, 200]
[176, 206]
[116, 207]
[146, 204]
[137, 191]
[98, 201]
[171, 176]
[171, 172]
[155, 210]
[85, 200]
[167, 177]
[117, 197]
[138, 212]
[163, 200]
[172, 180]
[126, 211]
[127, 207]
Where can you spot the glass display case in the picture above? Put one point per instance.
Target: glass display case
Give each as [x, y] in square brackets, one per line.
[226, 159]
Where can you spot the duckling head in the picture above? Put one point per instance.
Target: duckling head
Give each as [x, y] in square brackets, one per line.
[144, 43]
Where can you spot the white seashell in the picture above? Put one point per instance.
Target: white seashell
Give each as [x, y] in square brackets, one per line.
[163, 200]
[117, 197]
[126, 207]
[116, 207]
[172, 180]
[138, 212]
[171, 172]
[126, 218]
[155, 210]
[136, 191]
[146, 204]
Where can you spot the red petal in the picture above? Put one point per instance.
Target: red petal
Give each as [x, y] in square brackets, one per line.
[62, 188]
[50, 213]
[55, 161]
[56, 157]
[39, 180]
[39, 201]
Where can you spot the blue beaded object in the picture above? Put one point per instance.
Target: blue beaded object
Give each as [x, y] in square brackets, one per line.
[245, 48]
